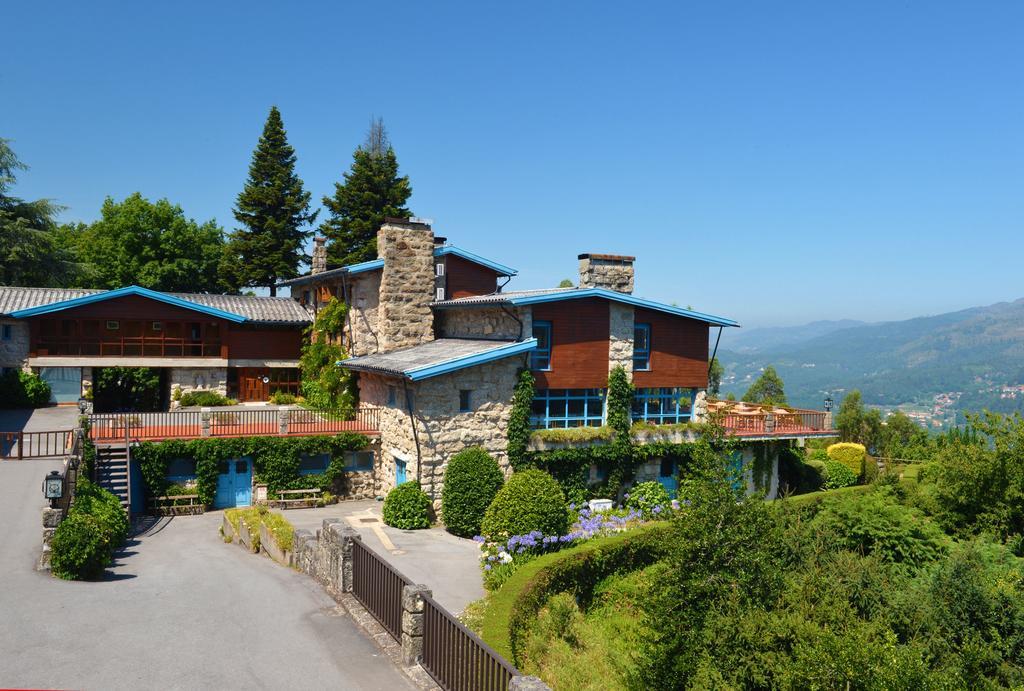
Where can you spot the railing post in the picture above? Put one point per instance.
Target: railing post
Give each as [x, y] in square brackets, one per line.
[348, 534]
[412, 622]
[282, 420]
[204, 422]
[21, 445]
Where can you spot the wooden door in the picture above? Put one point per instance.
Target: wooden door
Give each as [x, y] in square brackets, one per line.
[251, 386]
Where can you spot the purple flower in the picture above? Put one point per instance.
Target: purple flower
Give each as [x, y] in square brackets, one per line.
[487, 567]
[479, 538]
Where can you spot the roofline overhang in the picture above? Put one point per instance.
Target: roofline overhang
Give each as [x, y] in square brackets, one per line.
[500, 269]
[123, 292]
[453, 365]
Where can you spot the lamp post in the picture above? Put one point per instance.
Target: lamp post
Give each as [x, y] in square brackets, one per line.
[83, 405]
[828, 403]
[53, 488]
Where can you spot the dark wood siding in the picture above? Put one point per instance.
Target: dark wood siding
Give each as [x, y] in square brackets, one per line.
[466, 278]
[264, 342]
[679, 351]
[579, 344]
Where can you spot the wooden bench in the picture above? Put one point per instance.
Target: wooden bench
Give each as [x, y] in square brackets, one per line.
[170, 506]
[297, 498]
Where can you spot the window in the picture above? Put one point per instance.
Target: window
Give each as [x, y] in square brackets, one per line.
[157, 326]
[560, 408]
[180, 470]
[439, 269]
[663, 406]
[113, 325]
[540, 359]
[5, 332]
[305, 297]
[392, 395]
[359, 461]
[313, 464]
[465, 401]
[641, 347]
[439, 294]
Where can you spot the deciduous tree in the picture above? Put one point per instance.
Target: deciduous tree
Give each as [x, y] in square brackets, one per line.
[767, 389]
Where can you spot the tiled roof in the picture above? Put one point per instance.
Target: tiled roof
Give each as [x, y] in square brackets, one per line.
[254, 309]
[530, 297]
[438, 357]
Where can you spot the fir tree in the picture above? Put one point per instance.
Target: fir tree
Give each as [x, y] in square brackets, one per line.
[273, 208]
[372, 190]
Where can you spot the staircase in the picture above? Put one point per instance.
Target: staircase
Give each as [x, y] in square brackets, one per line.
[112, 471]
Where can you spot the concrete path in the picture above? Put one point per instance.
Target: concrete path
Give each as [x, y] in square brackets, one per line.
[449, 565]
[180, 610]
[39, 420]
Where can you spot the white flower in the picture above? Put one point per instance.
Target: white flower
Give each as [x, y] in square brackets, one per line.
[505, 557]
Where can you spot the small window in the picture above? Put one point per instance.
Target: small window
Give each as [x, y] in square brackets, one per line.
[392, 396]
[439, 269]
[305, 297]
[313, 464]
[241, 467]
[465, 401]
[113, 325]
[359, 461]
[5, 332]
[439, 294]
[158, 326]
[540, 359]
[642, 347]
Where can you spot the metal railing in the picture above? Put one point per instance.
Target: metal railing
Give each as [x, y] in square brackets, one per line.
[238, 423]
[23, 445]
[185, 424]
[311, 421]
[69, 475]
[456, 658]
[378, 586]
[757, 423]
[127, 346]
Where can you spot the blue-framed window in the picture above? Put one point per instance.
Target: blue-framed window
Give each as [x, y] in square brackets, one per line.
[181, 470]
[641, 347]
[540, 359]
[663, 406]
[313, 464]
[560, 408]
[465, 400]
[359, 461]
[6, 332]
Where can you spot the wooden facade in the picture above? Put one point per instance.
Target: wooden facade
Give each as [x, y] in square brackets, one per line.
[679, 351]
[465, 278]
[579, 344]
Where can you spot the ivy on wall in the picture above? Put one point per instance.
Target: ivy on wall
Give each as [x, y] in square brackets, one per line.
[324, 384]
[519, 421]
[620, 419]
[275, 460]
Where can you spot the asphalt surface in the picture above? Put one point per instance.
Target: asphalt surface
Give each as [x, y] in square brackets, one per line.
[180, 610]
[39, 420]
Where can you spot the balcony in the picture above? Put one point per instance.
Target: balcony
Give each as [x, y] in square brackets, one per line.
[741, 419]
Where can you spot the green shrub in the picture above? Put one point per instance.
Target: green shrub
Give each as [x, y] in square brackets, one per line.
[530, 500]
[81, 548]
[838, 475]
[104, 507]
[797, 476]
[20, 389]
[645, 496]
[407, 507]
[205, 399]
[282, 398]
[471, 481]
[849, 454]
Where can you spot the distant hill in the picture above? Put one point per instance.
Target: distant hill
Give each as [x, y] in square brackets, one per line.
[972, 354]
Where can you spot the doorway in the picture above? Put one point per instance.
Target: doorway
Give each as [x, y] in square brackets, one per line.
[400, 472]
[234, 483]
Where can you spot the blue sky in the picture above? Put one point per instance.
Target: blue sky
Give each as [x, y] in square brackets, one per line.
[771, 162]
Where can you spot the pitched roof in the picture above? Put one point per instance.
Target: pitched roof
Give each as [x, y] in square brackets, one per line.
[376, 264]
[21, 302]
[532, 297]
[437, 357]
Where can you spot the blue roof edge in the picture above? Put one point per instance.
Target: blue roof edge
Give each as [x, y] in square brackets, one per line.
[465, 361]
[476, 259]
[624, 298]
[122, 292]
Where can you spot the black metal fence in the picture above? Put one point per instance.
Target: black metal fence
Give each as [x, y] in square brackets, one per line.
[22, 445]
[456, 658]
[378, 586]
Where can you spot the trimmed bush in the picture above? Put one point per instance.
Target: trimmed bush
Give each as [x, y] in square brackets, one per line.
[81, 548]
[849, 454]
[471, 481]
[645, 496]
[797, 476]
[205, 399]
[19, 389]
[104, 507]
[530, 500]
[838, 475]
[282, 398]
[407, 507]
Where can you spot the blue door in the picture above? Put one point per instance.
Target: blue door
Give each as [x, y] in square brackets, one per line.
[65, 383]
[399, 471]
[234, 484]
[667, 477]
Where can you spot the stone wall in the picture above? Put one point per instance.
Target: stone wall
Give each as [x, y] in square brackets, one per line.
[406, 285]
[364, 306]
[610, 271]
[620, 336]
[187, 379]
[487, 322]
[14, 353]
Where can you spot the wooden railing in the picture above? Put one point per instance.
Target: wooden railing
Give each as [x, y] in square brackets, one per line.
[181, 425]
[456, 658]
[759, 423]
[378, 586]
[22, 445]
[127, 346]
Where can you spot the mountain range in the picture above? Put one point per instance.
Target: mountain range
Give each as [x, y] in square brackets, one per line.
[965, 360]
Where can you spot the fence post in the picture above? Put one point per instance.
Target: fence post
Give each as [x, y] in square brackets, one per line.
[204, 422]
[21, 445]
[412, 622]
[527, 684]
[282, 420]
[348, 534]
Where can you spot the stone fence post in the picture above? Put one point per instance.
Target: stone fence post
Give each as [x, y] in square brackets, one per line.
[282, 420]
[412, 622]
[204, 422]
[527, 684]
[348, 534]
[51, 519]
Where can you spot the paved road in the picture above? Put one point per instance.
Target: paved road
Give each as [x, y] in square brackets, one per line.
[181, 610]
[39, 420]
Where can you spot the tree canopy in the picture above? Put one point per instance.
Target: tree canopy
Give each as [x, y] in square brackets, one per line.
[767, 389]
[149, 244]
[273, 209]
[372, 190]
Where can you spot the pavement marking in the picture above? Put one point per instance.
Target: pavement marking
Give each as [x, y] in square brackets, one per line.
[356, 518]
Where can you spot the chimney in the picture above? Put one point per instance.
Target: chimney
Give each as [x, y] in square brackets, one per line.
[406, 284]
[611, 271]
[319, 263]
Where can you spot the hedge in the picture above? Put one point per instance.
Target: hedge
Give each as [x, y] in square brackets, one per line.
[84, 542]
[407, 507]
[838, 475]
[20, 389]
[849, 454]
[530, 500]
[471, 481]
[512, 608]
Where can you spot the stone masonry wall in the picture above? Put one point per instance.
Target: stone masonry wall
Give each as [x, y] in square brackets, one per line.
[14, 353]
[604, 271]
[620, 336]
[364, 308]
[406, 285]
[490, 322]
[188, 379]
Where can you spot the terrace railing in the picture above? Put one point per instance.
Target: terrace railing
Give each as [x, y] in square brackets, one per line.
[378, 586]
[758, 423]
[23, 445]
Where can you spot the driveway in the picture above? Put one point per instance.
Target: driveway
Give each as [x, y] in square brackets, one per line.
[449, 565]
[181, 609]
[39, 420]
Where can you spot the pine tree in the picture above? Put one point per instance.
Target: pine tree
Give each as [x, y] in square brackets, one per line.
[273, 208]
[372, 190]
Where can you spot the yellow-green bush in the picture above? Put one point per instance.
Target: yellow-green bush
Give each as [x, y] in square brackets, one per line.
[849, 454]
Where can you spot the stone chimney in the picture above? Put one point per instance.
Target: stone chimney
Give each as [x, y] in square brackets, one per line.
[319, 263]
[406, 284]
[611, 271]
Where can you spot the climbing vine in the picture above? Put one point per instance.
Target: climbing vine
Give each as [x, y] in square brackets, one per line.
[620, 419]
[519, 421]
[324, 384]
